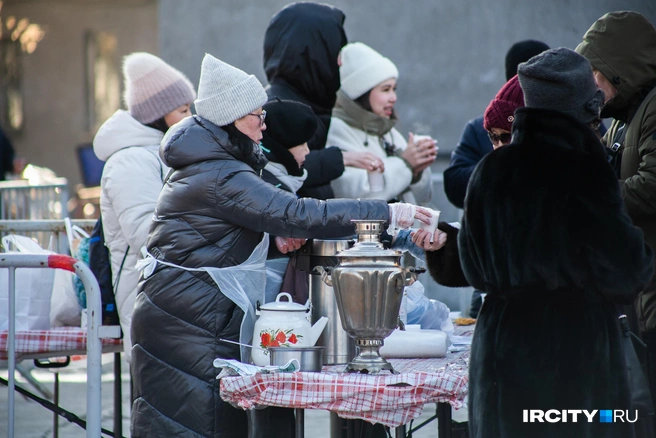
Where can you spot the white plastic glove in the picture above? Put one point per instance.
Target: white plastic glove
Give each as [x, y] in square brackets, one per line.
[403, 216]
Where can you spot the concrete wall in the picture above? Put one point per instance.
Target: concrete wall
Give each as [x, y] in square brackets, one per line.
[53, 79]
[450, 54]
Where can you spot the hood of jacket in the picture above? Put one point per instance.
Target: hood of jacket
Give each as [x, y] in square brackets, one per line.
[621, 45]
[301, 46]
[197, 140]
[121, 131]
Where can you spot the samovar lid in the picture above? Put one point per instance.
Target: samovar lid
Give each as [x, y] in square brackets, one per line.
[368, 244]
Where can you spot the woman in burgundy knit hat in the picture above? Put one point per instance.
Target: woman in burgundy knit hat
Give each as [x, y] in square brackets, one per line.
[500, 113]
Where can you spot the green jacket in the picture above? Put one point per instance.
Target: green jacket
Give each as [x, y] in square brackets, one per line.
[621, 46]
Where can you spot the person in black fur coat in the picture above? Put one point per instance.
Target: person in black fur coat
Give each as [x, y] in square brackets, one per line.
[546, 235]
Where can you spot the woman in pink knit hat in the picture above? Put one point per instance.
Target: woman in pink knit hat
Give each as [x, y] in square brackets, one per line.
[157, 97]
[500, 113]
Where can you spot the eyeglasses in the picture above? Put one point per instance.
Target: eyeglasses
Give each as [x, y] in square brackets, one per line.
[262, 116]
[500, 138]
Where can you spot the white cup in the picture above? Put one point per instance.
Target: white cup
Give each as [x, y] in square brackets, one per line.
[435, 217]
[418, 138]
[376, 181]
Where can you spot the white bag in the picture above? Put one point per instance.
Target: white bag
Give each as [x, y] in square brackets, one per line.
[33, 288]
[65, 310]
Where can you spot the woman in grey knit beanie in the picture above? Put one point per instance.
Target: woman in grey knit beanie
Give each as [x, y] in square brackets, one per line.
[205, 254]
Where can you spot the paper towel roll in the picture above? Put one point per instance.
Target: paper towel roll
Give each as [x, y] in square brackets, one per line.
[415, 343]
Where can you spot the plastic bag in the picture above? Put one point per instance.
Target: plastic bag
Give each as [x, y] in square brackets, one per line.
[33, 288]
[243, 284]
[430, 314]
[65, 311]
[78, 242]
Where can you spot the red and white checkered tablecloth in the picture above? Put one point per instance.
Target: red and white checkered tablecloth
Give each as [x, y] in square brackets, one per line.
[63, 341]
[389, 399]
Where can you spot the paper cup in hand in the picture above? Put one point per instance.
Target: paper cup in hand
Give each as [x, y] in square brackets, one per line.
[435, 217]
[376, 181]
[418, 138]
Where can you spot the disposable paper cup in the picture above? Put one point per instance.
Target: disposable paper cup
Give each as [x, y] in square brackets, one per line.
[376, 181]
[418, 138]
[435, 217]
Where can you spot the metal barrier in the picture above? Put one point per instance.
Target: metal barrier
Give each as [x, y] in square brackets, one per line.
[45, 230]
[21, 200]
[95, 332]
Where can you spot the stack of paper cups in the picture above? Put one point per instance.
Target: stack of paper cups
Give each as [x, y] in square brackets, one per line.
[413, 343]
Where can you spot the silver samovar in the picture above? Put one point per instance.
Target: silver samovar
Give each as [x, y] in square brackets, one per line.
[368, 284]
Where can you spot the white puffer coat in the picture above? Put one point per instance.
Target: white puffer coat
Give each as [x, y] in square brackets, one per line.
[131, 181]
[354, 182]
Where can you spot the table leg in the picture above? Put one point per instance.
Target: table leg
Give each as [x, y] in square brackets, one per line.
[55, 416]
[443, 420]
[399, 432]
[300, 422]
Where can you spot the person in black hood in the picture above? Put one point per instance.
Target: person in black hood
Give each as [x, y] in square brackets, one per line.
[301, 51]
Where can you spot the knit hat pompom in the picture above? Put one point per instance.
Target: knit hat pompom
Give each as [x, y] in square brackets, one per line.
[226, 93]
[561, 80]
[153, 88]
[289, 124]
[500, 112]
[363, 68]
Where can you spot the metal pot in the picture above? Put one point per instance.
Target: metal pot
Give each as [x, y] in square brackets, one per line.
[309, 358]
[340, 347]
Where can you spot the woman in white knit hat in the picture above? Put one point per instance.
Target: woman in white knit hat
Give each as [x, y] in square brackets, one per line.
[363, 121]
[157, 96]
[204, 268]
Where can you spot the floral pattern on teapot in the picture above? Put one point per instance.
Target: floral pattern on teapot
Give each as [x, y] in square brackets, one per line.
[278, 338]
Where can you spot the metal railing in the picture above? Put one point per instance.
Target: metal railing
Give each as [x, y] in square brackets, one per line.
[95, 332]
[21, 200]
[50, 233]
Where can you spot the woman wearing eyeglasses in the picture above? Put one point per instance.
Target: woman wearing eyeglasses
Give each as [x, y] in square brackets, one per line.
[203, 267]
[500, 113]
[363, 121]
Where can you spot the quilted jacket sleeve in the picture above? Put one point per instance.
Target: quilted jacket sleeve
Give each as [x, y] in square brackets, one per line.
[259, 206]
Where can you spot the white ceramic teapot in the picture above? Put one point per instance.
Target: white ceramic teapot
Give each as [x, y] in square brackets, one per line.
[283, 324]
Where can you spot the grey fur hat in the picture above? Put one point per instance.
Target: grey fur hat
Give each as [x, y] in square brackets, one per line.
[561, 80]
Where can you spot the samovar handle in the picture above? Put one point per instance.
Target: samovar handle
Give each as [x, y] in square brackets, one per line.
[325, 274]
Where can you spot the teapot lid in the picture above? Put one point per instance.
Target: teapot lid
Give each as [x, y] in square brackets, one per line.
[287, 306]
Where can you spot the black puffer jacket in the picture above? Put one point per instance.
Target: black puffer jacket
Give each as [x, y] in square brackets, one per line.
[301, 46]
[211, 212]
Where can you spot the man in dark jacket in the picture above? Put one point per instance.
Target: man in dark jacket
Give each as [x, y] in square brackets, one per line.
[546, 235]
[474, 144]
[621, 46]
[301, 50]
